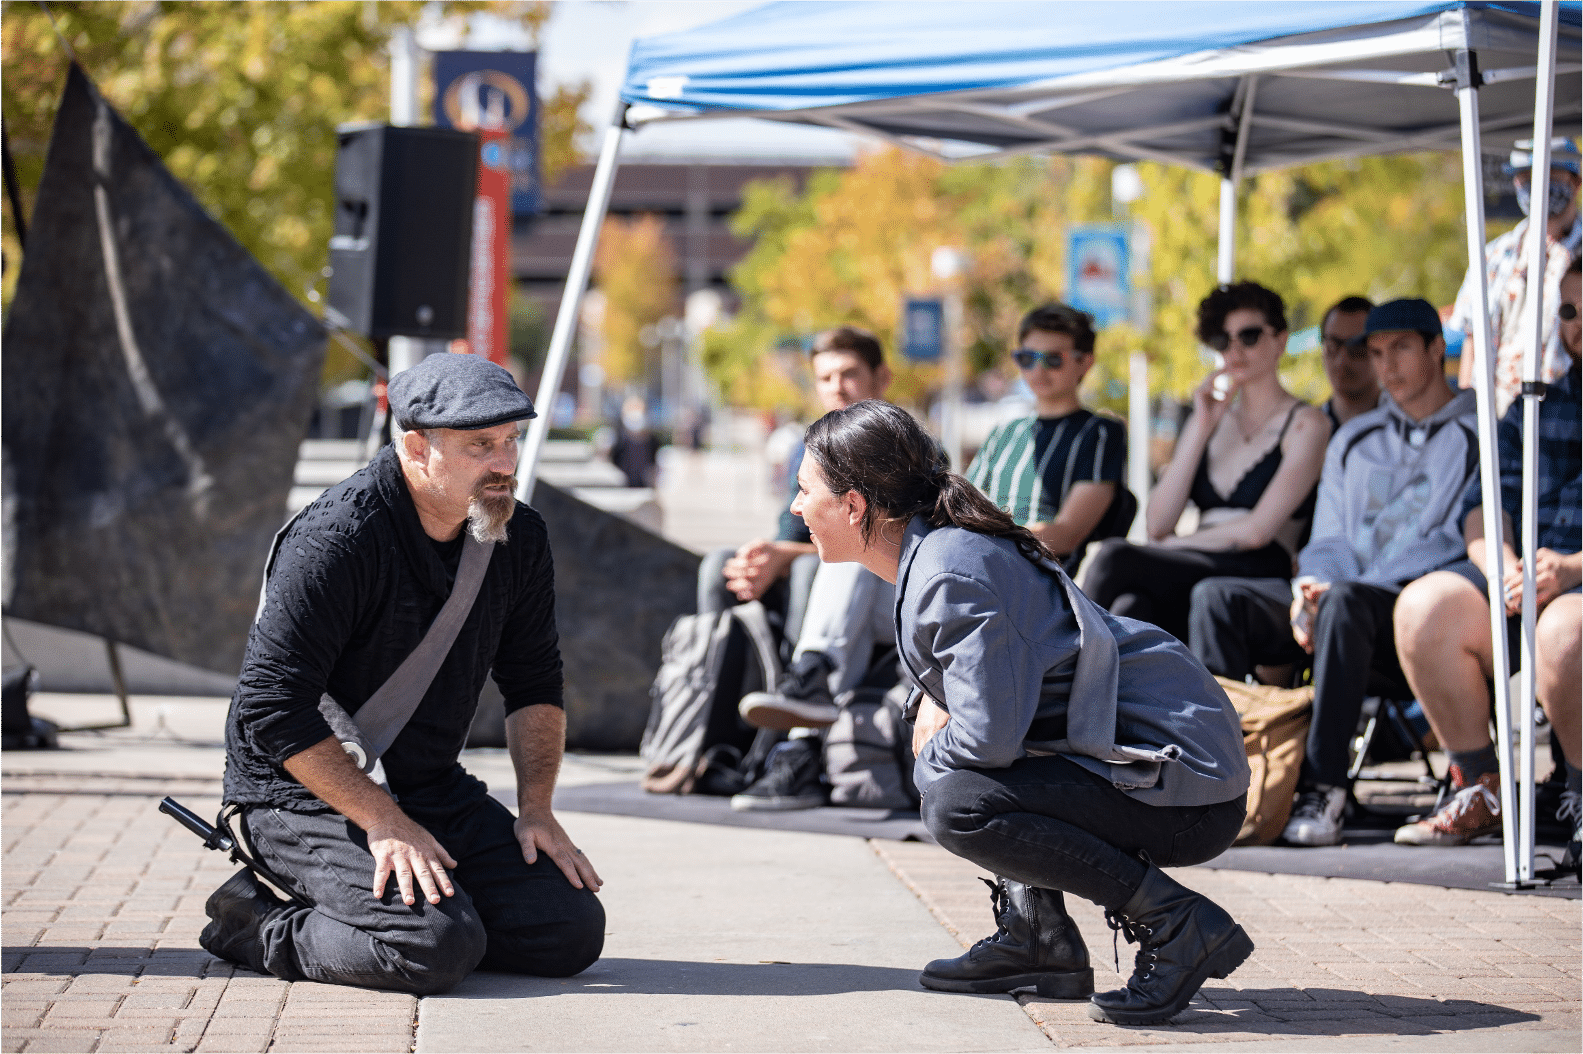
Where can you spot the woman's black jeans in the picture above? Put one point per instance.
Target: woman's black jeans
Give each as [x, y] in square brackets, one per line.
[1049, 822]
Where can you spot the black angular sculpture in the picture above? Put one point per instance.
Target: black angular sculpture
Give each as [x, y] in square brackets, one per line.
[157, 382]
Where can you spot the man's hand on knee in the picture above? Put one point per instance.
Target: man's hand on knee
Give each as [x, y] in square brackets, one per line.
[407, 850]
[542, 832]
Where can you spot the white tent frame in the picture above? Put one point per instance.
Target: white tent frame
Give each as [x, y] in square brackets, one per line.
[1253, 60]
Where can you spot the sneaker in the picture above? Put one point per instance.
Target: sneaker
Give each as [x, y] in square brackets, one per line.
[1316, 818]
[1570, 813]
[800, 700]
[1474, 809]
[795, 780]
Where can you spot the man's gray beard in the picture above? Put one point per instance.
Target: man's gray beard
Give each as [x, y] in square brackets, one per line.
[487, 516]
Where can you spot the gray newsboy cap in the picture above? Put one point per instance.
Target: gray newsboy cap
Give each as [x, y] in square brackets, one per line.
[448, 390]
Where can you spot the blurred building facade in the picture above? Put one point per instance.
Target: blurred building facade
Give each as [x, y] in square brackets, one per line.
[695, 200]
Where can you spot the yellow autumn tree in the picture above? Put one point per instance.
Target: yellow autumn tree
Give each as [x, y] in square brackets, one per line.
[635, 268]
[853, 244]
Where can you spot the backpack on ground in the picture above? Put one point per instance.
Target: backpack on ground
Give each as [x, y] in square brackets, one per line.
[868, 751]
[1274, 734]
[707, 663]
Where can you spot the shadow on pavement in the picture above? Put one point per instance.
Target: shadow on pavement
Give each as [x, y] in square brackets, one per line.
[1332, 1012]
[685, 977]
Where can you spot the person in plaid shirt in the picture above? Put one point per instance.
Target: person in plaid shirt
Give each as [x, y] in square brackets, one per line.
[1442, 620]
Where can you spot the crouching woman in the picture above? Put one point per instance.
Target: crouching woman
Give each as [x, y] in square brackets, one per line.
[1059, 746]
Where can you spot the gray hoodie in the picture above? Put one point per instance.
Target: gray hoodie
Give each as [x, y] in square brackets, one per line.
[1389, 495]
[1025, 664]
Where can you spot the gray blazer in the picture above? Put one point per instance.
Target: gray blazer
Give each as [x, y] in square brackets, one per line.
[1025, 664]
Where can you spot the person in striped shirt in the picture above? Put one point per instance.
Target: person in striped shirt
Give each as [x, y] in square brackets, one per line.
[1059, 472]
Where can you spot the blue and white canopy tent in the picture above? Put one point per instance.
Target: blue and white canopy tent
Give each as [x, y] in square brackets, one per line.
[1233, 87]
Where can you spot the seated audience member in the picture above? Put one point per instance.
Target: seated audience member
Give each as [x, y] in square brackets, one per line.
[1353, 387]
[1443, 620]
[1387, 514]
[1248, 457]
[1353, 390]
[848, 611]
[1059, 472]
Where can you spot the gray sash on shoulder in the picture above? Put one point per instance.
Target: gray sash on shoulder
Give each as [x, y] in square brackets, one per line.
[1091, 717]
[367, 735]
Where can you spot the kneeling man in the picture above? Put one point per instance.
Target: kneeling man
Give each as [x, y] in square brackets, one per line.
[412, 888]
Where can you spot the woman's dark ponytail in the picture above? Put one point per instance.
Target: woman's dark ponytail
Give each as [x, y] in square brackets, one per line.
[879, 450]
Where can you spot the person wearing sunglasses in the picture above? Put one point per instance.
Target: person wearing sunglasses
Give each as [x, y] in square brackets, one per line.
[1248, 458]
[1443, 619]
[1354, 389]
[1506, 268]
[1059, 472]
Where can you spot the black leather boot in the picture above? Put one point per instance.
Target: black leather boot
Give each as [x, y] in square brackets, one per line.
[1183, 939]
[1035, 945]
[239, 908]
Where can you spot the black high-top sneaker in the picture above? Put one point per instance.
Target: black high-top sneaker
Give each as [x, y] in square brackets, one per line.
[1183, 939]
[1035, 945]
[239, 908]
[794, 780]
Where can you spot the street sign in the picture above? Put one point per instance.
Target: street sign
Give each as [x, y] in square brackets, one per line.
[922, 329]
[1098, 278]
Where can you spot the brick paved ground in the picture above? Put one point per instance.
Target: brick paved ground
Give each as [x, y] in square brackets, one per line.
[1335, 958]
[103, 903]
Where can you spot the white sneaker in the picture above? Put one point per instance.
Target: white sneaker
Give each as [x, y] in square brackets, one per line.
[1316, 818]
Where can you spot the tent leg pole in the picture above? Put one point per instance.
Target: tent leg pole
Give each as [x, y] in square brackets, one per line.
[1538, 256]
[1226, 256]
[1468, 81]
[1139, 476]
[571, 301]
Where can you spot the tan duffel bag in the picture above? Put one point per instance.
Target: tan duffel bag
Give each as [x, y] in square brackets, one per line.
[1274, 730]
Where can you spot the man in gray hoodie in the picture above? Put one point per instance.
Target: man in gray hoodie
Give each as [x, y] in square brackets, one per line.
[1387, 514]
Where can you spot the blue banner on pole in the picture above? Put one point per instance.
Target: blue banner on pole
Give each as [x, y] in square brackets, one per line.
[1098, 278]
[923, 330]
[495, 89]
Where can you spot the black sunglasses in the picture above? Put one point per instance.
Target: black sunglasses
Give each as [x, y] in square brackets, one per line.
[1352, 349]
[1027, 359]
[1568, 312]
[1247, 336]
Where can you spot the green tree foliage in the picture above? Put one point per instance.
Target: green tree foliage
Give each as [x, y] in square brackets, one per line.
[635, 268]
[852, 244]
[241, 100]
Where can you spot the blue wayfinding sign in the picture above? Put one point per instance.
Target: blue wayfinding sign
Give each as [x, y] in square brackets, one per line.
[922, 329]
[494, 89]
[1098, 278]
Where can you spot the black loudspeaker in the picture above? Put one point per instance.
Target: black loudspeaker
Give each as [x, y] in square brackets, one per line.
[403, 237]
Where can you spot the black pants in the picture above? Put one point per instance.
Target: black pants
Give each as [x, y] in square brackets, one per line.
[1049, 822]
[506, 914]
[1153, 584]
[1238, 623]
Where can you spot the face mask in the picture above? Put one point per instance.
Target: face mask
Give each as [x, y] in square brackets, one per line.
[1560, 197]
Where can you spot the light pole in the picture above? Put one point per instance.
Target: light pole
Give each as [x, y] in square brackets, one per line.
[1126, 186]
[948, 264]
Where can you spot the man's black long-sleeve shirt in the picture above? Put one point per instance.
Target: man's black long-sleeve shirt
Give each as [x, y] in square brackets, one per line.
[354, 588]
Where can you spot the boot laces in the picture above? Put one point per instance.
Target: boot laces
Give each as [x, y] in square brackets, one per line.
[1000, 904]
[1136, 933]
